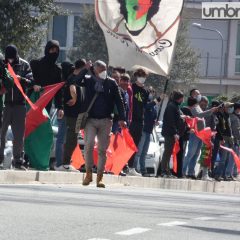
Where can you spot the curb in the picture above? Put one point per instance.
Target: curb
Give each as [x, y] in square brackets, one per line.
[54, 177]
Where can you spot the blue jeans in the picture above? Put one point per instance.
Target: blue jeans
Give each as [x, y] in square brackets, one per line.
[142, 152]
[60, 141]
[194, 148]
[224, 160]
[230, 170]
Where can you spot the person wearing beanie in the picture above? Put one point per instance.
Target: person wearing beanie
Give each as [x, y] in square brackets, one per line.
[171, 130]
[47, 72]
[6, 83]
[14, 113]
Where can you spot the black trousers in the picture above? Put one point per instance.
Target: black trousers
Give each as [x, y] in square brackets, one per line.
[14, 116]
[180, 156]
[71, 139]
[135, 130]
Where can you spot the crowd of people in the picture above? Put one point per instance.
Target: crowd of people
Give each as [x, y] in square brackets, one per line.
[221, 118]
[106, 100]
[110, 101]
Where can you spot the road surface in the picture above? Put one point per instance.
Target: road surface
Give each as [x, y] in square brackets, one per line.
[62, 212]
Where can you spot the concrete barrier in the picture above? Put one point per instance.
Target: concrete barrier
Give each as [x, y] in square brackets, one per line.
[54, 177]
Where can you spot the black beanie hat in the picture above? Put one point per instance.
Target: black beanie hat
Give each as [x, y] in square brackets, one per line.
[11, 52]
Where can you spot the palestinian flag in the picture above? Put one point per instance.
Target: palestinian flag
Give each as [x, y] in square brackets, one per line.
[38, 132]
[206, 156]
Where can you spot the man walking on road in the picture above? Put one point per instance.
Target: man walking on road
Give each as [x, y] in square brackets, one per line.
[99, 123]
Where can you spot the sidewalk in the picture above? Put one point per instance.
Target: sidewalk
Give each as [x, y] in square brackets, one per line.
[54, 177]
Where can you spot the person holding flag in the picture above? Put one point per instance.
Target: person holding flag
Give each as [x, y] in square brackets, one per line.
[15, 105]
[6, 83]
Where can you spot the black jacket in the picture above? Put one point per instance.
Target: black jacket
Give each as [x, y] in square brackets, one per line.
[140, 98]
[171, 120]
[111, 94]
[14, 96]
[223, 126]
[47, 72]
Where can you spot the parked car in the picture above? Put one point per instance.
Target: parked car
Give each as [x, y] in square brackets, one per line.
[154, 155]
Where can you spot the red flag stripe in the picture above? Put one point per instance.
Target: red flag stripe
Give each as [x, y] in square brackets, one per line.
[17, 83]
[235, 156]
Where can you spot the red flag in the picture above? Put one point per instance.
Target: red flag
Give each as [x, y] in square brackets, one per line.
[235, 156]
[17, 83]
[77, 158]
[129, 140]
[35, 116]
[122, 152]
[176, 150]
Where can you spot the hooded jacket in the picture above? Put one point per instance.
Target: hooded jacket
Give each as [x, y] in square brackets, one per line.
[21, 68]
[47, 72]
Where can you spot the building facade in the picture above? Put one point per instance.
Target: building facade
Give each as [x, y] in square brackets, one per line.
[207, 44]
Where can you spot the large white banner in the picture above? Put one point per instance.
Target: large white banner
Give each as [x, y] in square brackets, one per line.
[140, 33]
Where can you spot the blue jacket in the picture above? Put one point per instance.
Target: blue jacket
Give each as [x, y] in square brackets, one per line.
[150, 117]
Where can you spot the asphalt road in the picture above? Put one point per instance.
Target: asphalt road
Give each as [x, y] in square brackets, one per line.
[57, 212]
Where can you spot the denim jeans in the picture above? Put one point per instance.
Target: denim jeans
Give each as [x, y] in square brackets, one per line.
[220, 169]
[230, 170]
[142, 152]
[60, 141]
[190, 160]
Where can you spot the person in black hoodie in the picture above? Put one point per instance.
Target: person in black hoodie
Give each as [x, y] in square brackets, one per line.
[47, 72]
[14, 112]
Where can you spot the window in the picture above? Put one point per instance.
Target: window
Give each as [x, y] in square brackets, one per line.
[60, 29]
[237, 61]
[76, 31]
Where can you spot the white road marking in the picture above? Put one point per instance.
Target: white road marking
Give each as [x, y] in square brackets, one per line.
[231, 216]
[133, 231]
[172, 224]
[98, 239]
[204, 218]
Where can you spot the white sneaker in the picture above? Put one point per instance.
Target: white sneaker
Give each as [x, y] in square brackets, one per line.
[133, 172]
[67, 168]
[207, 178]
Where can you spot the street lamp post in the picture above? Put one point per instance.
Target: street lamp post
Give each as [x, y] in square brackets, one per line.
[199, 26]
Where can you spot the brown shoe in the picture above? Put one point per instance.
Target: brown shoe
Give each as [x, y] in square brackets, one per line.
[88, 178]
[100, 183]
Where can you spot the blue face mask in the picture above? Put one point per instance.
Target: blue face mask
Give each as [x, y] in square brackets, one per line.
[150, 97]
[230, 110]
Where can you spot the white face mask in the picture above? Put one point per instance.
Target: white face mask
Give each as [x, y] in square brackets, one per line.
[141, 80]
[199, 97]
[103, 75]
